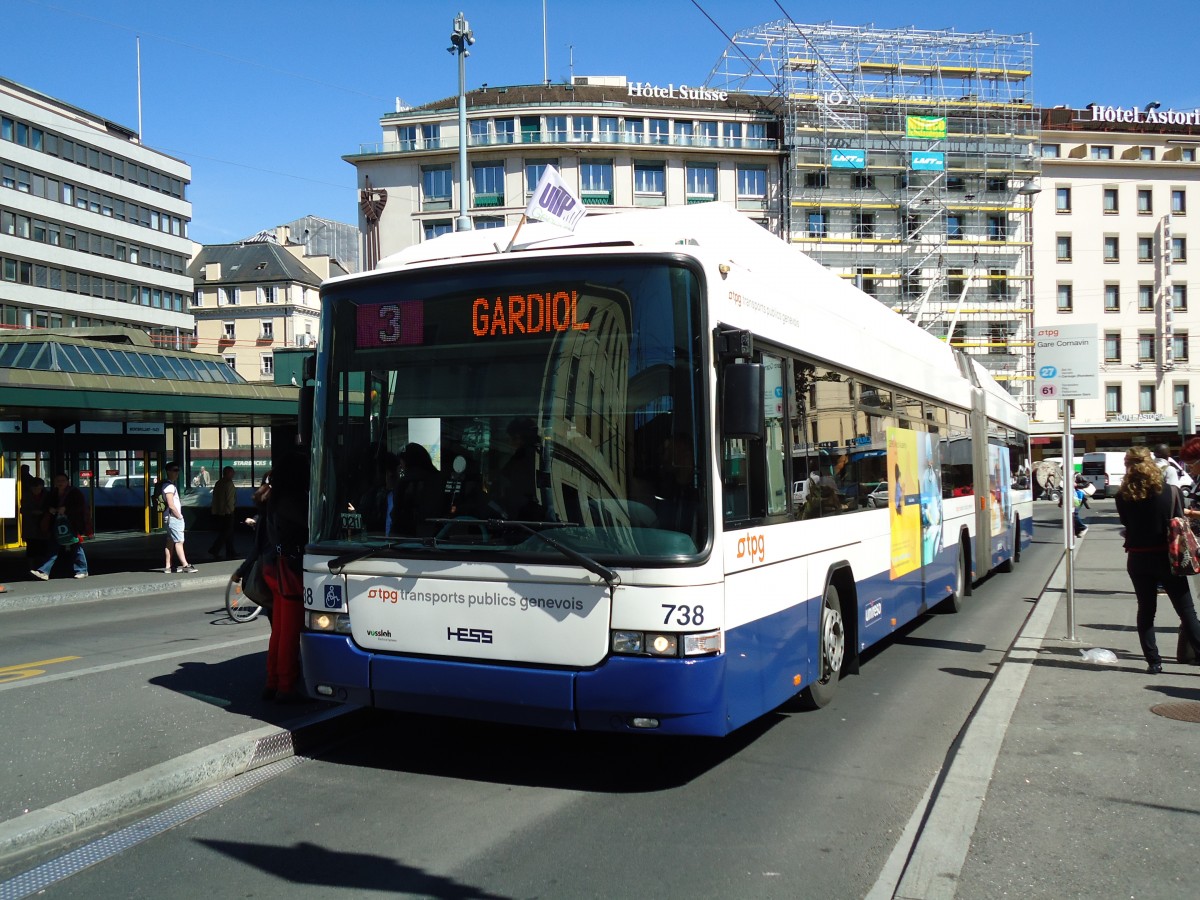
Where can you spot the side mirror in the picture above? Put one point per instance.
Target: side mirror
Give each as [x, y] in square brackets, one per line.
[742, 401]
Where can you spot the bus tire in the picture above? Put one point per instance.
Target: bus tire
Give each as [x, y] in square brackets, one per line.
[831, 650]
[962, 584]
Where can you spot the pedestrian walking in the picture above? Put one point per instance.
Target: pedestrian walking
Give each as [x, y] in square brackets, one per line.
[173, 514]
[1146, 504]
[68, 514]
[224, 502]
[1171, 470]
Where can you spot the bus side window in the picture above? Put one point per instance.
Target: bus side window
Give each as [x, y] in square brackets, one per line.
[735, 479]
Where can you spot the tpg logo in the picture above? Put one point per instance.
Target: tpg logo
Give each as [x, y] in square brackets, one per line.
[753, 546]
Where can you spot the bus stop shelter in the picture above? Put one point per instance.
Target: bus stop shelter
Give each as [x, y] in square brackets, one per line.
[109, 408]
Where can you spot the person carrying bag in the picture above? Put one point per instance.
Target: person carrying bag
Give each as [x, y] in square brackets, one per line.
[1146, 506]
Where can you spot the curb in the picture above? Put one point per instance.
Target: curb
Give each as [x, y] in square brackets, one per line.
[171, 780]
[13, 600]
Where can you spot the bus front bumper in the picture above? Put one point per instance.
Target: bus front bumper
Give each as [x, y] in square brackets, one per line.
[634, 694]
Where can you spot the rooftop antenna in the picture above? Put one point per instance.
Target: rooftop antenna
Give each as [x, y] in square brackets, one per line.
[138, 40]
[545, 59]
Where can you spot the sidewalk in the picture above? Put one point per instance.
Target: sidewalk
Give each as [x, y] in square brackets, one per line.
[1094, 792]
[122, 564]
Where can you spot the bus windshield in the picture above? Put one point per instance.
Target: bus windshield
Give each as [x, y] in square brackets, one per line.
[565, 395]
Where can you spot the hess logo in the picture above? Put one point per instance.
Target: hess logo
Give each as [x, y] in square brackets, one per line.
[752, 546]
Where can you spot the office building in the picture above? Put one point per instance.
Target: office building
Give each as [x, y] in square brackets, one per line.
[93, 225]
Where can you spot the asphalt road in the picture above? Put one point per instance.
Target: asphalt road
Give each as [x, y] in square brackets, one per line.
[799, 804]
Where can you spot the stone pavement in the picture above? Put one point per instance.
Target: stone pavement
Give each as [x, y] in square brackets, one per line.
[1094, 788]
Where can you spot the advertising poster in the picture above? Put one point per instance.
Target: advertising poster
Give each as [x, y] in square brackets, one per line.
[930, 128]
[930, 460]
[999, 488]
[904, 500]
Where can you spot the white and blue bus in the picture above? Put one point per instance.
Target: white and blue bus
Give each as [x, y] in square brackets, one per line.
[662, 474]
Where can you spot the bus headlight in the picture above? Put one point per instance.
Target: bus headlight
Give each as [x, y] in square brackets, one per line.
[641, 643]
[336, 623]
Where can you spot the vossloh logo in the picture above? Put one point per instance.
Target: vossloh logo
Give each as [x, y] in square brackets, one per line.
[553, 202]
[378, 633]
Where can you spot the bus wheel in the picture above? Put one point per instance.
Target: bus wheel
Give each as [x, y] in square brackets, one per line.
[832, 651]
[962, 584]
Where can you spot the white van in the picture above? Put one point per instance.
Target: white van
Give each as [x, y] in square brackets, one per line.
[1104, 471]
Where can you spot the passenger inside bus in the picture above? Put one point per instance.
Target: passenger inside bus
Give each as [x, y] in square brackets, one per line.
[515, 487]
[419, 496]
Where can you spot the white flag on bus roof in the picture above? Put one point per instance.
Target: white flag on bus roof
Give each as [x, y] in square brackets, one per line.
[552, 201]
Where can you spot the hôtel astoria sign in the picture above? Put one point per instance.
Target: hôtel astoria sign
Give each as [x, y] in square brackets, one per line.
[1152, 116]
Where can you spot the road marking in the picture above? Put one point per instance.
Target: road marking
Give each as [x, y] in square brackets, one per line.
[29, 670]
[108, 667]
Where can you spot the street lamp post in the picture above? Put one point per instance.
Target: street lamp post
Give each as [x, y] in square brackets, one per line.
[460, 40]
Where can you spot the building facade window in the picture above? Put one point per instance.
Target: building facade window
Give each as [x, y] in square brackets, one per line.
[1179, 249]
[1178, 202]
[1063, 248]
[1145, 298]
[1112, 248]
[1110, 201]
[1112, 346]
[487, 179]
[685, 133]
[229, 331]
[1179, 297]
[437, 187]
[1112, 298]
[267, 364]
[650, 183]
[1146, 154]
[266, 330]
[1102, 151]
[596, 181]
[583, 128]
[432, 228]
[1050, 151]
[817, 223]
[1145, 202]
[1146, 398]
[1179, 395]
[1062, 199]
[1145, 347]
[954, 227]
[751, 185]
[1179, 346]
[534, 168]
[1065, 298]
[660, 131]
[1145, 248]
[231, 440]
[231, 361]
[701, 180]
[1112, 401]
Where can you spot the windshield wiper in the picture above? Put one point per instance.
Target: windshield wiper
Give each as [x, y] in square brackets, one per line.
[611, 578]
[338, 564]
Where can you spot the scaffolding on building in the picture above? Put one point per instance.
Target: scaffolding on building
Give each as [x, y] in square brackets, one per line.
[912, 161]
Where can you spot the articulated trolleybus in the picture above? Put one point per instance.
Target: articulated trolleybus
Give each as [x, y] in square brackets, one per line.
[660, 474]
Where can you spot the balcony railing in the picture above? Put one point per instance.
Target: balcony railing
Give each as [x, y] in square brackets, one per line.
[558, 137]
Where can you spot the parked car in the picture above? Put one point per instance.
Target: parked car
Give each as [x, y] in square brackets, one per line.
[877, 496]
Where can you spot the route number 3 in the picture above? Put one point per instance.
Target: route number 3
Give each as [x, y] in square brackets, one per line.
[683, 615]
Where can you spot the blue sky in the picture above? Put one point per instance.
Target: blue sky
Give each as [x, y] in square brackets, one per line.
[263, 99]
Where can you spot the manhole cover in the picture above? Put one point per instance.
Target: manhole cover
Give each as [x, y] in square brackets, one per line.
[1184, 712]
